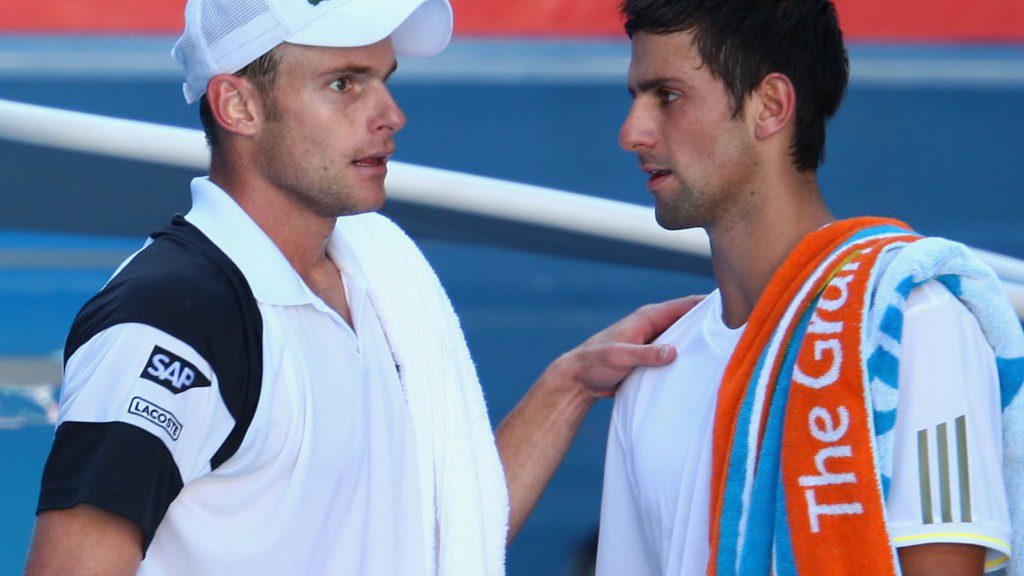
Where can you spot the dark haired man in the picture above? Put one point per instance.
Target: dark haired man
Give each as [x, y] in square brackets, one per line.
[834, 408]
[267, 388]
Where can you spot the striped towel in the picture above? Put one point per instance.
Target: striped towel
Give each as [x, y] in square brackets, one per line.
[464, 498]
[814, 380]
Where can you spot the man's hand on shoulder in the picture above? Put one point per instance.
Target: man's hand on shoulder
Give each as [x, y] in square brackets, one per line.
[84, 540]
[533, 438]
[601, 363]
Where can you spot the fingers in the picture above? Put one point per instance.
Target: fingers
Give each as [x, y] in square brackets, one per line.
[647, 354]
[601, 368]
[623, 358]
[603, 361]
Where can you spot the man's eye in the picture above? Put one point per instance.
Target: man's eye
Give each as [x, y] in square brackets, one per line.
[668, 96]
[342, 85]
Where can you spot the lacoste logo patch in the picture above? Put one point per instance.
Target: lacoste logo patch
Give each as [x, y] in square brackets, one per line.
[173, 372]
[156, 415]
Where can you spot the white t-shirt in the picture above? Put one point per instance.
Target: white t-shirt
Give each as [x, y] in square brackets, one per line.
[214, 400]
[657, 480]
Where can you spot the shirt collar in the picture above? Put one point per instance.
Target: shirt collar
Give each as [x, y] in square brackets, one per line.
[344, 258]
[270, 276]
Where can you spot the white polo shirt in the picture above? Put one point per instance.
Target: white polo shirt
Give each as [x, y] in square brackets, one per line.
[211, 398]
[947, 451]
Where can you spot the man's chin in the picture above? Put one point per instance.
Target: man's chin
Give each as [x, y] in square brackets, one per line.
[374, 202]
[363, 205]
[670, 220]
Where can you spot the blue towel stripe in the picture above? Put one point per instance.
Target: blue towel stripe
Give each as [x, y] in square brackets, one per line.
[892, 323]
[904, 287]
[873, 231]
[736, 474]
[952, 282]
[1011, 378]
[785, 562]
[884, 366]
[884, 421]
[755, 558]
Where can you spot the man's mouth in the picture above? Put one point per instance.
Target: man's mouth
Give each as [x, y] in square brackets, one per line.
[656, 176]
[372, 161]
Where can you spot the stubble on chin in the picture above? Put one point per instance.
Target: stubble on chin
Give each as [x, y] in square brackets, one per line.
[681, 211]
[324, 192]
[319, 187]
[323, 203]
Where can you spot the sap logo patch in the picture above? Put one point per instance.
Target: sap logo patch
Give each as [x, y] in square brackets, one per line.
[173, 372]
[156, 415]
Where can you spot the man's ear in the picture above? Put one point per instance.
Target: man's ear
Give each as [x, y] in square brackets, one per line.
[775, 105]
[235, 104]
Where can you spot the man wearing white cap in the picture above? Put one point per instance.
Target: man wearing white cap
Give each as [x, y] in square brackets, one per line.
[267, 388]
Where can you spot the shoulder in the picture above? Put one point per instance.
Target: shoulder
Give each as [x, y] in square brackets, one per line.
[937, 325]
[933, 313]
[946, 361]
[180, 284]
[180, 303]
[703, 344]
[708, 310]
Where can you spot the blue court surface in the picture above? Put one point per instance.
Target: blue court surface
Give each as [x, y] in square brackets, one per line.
[931, 135]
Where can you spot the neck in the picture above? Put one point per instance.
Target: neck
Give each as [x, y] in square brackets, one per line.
[298, 232]
[750, 244]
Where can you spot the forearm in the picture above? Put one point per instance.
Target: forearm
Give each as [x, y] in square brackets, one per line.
[942, 560]
[534, 437]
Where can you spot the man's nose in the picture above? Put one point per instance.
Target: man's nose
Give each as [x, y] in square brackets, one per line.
[391, 117]
[637, 130]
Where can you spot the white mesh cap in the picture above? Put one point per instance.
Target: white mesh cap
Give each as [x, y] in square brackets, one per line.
[223, 36]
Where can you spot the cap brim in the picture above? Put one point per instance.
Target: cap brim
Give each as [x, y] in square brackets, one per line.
[416, 28]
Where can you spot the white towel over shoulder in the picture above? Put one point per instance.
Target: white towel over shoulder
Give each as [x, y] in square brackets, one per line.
[462, 484]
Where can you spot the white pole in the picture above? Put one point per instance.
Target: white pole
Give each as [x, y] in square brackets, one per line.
[430, 187]
[92, 134]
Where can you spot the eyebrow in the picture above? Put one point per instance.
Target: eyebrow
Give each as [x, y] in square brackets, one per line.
[361, 70]
[651, 84]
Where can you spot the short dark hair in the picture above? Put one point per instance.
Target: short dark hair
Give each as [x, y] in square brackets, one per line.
[743, 41]
[262, 72]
